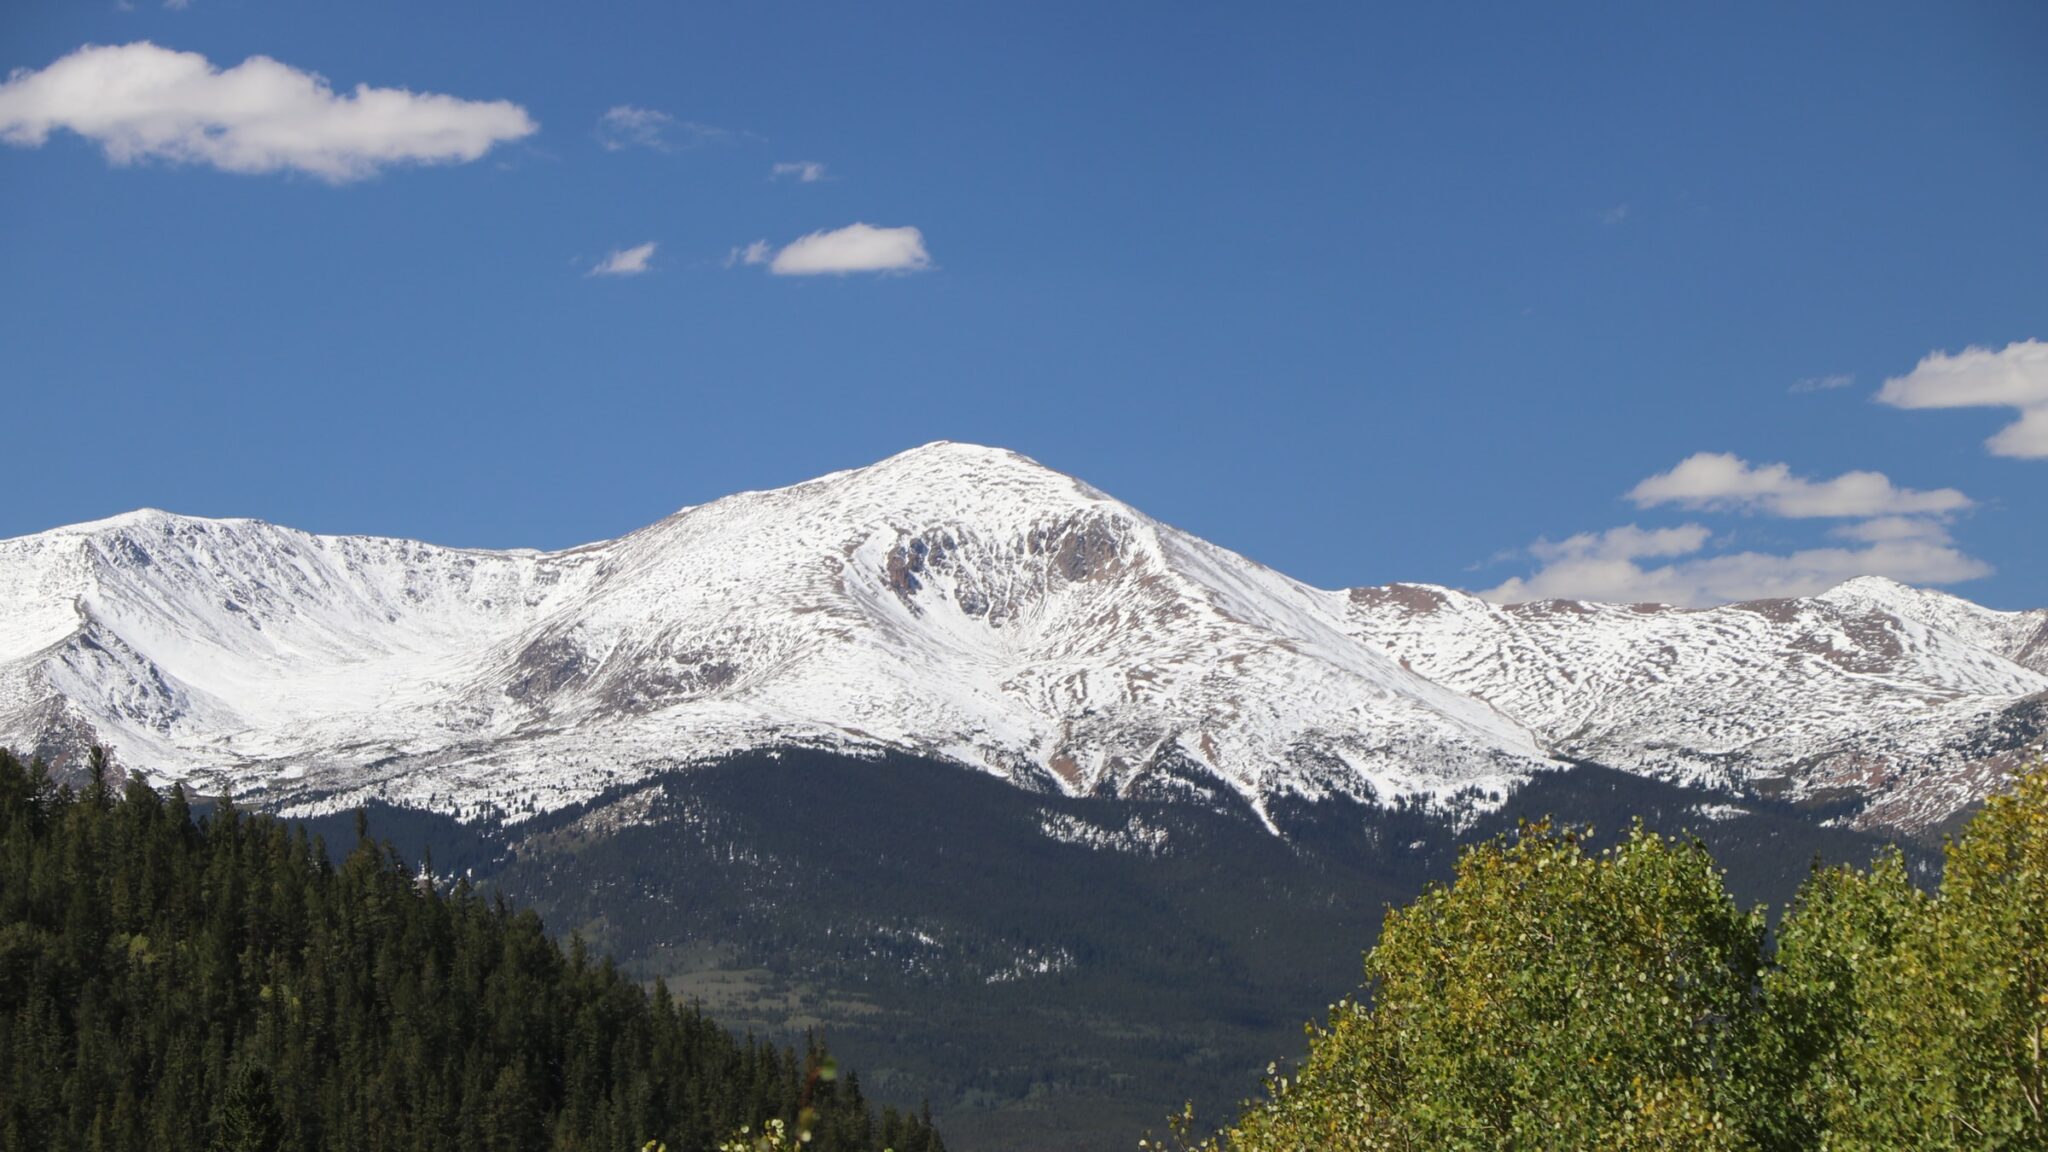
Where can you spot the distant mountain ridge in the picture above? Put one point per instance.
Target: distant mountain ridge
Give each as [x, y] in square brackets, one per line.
[968, 604]
[1916, 702]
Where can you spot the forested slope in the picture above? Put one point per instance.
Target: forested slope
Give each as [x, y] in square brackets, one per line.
[176, 982]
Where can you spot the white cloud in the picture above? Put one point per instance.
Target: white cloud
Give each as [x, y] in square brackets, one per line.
[141, 102]
[1724, 481]
[1898, 532]
[854, 248]
[802, 171]
[628, 126]
[1615, 215]
[1910, 551]
[2014, 377]
[1893, 528]
[1627, 542]
[1823, 383]
[626, 261]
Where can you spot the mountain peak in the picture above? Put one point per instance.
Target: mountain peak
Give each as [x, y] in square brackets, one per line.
[955, 457]
[961, 601]
[1928, 605]
[138, 518]
[956, 599]
[945, 481]
[1875, 587]
[958, 448]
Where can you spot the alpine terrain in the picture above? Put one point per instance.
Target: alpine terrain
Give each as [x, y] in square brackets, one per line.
[1043, 810]
[966, 604]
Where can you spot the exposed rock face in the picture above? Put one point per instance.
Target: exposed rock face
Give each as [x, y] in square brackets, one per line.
[968, 604]
[957, 601]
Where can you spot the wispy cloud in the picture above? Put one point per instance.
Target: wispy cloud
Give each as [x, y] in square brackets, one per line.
[1823, 383]
[1924, 556]
[1893, 528]
[1615, 215]
[839, 252]
[1726, 482]
[1627, 542]
[627, 261]
[140, 102]
[628, 126]
[759, 252]
[802, 171]
[2015, 377]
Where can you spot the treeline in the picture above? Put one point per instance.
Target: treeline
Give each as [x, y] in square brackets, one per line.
[1553, 997]
[175, 982]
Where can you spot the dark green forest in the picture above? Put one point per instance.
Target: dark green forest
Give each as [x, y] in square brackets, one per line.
[886, 900]
[182, 975]
[171, 980]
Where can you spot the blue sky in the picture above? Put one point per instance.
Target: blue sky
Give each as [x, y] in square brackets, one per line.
[1440, 293]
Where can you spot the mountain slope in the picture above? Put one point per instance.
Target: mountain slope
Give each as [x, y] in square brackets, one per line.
[968, 604]
[1916, 702]
[953, 600]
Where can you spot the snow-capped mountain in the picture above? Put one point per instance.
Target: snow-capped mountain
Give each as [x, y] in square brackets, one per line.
[954, 600]
[1917, 702]
[965, 603]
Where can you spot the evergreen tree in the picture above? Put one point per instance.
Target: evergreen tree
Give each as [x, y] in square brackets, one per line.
[249, 1120]
[153, 966]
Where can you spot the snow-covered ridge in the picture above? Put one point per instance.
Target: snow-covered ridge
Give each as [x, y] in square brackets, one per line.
[958, 601]
[1918, 701]
[961, 602]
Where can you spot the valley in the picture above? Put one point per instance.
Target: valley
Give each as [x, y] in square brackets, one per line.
[1038, 810]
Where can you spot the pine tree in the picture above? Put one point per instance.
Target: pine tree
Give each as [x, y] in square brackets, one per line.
[151, 963]
[249, 1120]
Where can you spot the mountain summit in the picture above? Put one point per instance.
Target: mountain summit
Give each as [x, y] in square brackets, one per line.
[969, 604]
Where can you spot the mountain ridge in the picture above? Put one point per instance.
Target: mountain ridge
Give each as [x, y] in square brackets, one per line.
[967, 603]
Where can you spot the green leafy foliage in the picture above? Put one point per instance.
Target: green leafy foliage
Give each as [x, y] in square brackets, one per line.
[219, 983]
[1549, 998]
[1555, 998]
[1832, 948]
[1937, 1008]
